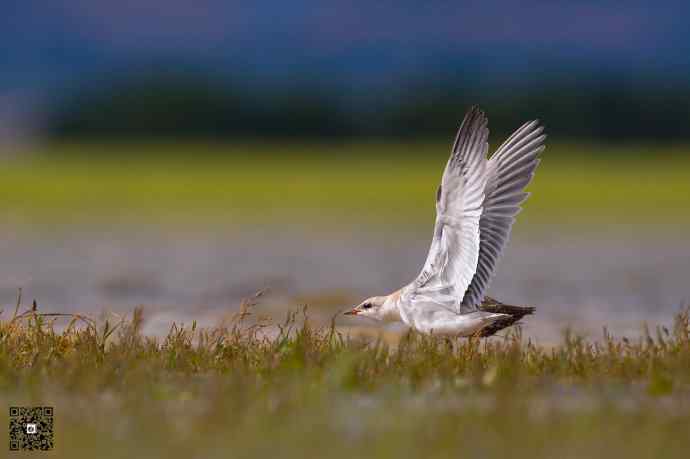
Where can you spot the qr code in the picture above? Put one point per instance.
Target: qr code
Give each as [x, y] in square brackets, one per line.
[31, 428]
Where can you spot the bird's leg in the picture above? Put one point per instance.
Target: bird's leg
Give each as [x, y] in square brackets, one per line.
[449, 343]
[473, 339]
[477, 334]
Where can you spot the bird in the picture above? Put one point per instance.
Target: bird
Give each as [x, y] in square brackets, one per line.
[476, 205]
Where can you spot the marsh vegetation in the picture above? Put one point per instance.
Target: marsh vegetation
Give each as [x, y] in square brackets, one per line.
[237, 390]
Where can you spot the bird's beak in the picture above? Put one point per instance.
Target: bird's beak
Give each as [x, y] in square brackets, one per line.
[352, 312]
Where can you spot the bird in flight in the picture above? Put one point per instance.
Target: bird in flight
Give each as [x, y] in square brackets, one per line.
[476, 205]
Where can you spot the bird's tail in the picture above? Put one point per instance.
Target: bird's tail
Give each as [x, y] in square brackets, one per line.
[514, 314]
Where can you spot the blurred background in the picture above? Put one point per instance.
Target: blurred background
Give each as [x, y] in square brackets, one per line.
[183, 155]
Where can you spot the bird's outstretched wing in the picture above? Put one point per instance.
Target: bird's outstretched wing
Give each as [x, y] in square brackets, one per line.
[509, 171]
[452, 260]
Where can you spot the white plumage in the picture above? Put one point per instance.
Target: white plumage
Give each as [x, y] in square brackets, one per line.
[476, 205]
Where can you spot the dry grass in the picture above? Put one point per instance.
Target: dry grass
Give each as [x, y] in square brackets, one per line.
[233, 390]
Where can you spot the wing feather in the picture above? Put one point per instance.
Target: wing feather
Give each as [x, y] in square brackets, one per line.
[509, 171]
[476, 205]
[454, 252]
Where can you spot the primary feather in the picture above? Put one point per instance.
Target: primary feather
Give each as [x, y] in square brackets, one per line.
[509, 171]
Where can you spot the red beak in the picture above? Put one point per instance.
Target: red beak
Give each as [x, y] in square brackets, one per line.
[352, 312]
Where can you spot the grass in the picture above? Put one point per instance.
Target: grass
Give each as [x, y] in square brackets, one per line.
[244, 389]
[576, 184]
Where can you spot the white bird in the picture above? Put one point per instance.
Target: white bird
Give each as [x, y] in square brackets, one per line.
[476, 205]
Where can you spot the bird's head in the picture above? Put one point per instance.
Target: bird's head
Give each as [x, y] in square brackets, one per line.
[371, 307]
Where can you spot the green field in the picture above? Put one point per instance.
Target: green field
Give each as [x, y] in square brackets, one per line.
[233, 391]
[320, 184]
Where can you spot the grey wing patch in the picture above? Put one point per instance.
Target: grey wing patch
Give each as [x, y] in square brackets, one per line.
[510, 170]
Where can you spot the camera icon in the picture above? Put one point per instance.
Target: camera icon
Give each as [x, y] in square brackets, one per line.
[31, 428]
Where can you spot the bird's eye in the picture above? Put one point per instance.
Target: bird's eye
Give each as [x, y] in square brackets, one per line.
[366, 306]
